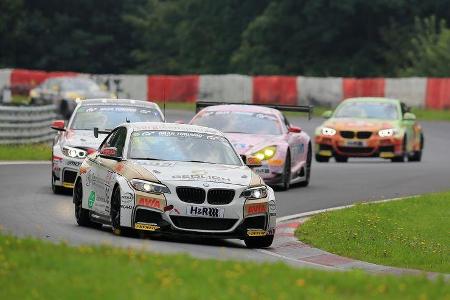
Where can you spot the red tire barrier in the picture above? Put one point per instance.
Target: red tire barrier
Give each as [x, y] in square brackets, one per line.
[172, 88]
[275, 90]
[367, 87]
[438, 93]
[23, 80]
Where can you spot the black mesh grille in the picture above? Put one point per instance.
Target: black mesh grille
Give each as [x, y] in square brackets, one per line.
[69, 176]
[361, 150]
[363, 134]
[347, 134]
[386, 149]
[258, 222]
[147, 216]
[202, 223]
[220, 196]
[191, 194]
[325, 147]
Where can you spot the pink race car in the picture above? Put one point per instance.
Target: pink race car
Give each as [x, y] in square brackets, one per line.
[262, 131]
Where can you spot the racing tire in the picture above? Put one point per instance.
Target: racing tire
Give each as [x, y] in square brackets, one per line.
[417, 156]
[57, 190]
[286, 183]
[259, 242]
[115, 216]
[401, 158]
[82, 214]
[322, 159]
[308, 168]
[341, 159]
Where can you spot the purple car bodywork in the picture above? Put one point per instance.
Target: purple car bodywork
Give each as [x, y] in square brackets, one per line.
[291, 143]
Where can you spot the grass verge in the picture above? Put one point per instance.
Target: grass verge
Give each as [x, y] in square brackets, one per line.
[25, 152]
[40, 270]
[421, 113]
[411, 233]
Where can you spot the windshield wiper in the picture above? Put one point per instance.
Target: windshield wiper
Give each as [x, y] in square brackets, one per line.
[234, 132]
[147, 158]
[200, 161]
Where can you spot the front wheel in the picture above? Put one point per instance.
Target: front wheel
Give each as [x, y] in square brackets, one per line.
[81, 214]
[321, 159]
[286, 173]
[401, 158]
[307, 168]
[115, 216]
[417, 156]
[57, 189]
[259, 242]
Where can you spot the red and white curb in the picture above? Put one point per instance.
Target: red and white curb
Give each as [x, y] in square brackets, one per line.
[286, 246]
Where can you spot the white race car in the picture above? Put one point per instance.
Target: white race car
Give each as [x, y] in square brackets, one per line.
[74, 141]
[173, 178]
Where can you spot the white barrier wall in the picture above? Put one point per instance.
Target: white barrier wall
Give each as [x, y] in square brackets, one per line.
[229, 88]
[128, 86]
[412, 90]
[5, 77]
[325, 91]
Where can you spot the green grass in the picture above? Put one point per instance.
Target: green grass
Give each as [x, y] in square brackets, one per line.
[431, 114]
[25, 152]
[410, 233]
[32, 269]
[20, 99]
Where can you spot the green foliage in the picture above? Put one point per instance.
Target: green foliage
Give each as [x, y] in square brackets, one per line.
[33, 269]
[406, 233]
[430, 49]
[312, 37]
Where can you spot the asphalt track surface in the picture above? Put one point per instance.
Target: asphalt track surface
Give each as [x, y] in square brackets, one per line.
[29, 208]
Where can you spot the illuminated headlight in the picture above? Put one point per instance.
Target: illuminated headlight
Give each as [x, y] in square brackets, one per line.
[34, 93]
[266, 153]
[387, 132]
[328, 131]
[255, 192]
[73, 152]
[149, 187]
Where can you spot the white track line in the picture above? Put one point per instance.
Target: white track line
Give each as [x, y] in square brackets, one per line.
[25, 162]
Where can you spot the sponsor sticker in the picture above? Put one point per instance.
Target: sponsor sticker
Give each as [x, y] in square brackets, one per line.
[73, 163]
[272, 206]
[126, 206]
[91, 199]
[196, 177]
[148, 227]
[257, 208]
[127, 198]
[149, 202]
[208, 212]
[256, 232]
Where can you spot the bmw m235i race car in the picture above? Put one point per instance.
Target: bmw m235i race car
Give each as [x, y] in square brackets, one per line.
[369, 127]
[263, 132]
[172, 178]
[76, 139]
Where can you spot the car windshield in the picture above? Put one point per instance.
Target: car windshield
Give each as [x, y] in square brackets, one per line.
[182, 146]
[79, 84]
[367, 110]
[109, 117]
[239, 122]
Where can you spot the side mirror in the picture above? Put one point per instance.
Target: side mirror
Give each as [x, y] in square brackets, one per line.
[110, 152]
[58, 125]
[409, 116]
[295, 129]
[327, 114]
[252, 162]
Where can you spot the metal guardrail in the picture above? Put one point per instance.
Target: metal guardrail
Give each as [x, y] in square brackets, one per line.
[26, 124]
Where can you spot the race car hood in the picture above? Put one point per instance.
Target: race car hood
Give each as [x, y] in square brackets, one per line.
[81, 139]
[249, 143]
[167, 171]
[359, 124]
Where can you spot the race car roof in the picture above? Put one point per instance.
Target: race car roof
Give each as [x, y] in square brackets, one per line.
[137, 126]
[110, 101]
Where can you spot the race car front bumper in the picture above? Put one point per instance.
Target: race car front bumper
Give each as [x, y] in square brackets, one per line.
[64, 170]
[387, 147]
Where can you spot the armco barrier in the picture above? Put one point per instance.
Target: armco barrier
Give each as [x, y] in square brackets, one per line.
[26, 124]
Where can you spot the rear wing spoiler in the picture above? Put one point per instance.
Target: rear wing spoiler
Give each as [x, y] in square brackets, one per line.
[295, 108]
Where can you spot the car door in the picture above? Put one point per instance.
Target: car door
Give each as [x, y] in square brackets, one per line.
[106, 168]
[296, 144]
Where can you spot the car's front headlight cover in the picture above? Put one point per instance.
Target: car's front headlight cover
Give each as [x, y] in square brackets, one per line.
[257, 192]
[149, 187]
[73, 152]
[265, 153]
[328, 131]
[387, 132]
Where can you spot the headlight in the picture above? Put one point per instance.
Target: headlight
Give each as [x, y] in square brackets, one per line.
[328, 131]
[149, 187]
[387, 132]
[34, 93]
[255, 192]
[73, 152]
[266, 153]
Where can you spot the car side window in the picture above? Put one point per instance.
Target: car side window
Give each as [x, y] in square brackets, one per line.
[285, 121]
[117, 140]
